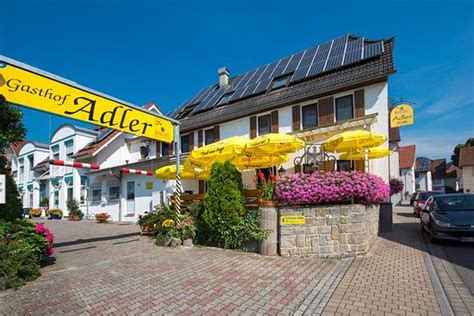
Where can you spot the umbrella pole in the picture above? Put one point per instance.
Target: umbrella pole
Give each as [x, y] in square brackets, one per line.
[366, 160]
[179, 188]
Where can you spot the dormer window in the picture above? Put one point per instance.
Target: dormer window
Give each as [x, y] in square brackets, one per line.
[186, 111]
[280, 82]
[225, 99]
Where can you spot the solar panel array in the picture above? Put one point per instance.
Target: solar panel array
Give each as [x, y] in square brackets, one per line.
[325, 57]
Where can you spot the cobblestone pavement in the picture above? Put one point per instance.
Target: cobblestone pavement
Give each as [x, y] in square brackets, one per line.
[109, 268]
[392, 279]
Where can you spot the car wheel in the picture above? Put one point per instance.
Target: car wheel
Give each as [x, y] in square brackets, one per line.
[431, 237]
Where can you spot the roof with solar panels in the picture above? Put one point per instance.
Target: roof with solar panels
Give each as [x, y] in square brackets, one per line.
[325, 67]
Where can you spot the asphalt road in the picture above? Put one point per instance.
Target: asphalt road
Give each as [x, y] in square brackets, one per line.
[461, 255]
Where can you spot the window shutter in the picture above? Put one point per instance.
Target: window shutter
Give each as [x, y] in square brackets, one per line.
[359, 103]
[275, 122]
[201, 187]
[200, 139]
[296, 118]
[191, 141]
[217, 133]
[171, 148]
[253, 126]
[326, 111]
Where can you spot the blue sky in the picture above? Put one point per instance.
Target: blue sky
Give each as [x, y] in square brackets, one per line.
[165, 51]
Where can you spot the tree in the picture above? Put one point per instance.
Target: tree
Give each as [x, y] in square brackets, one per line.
[457, 150]
[11, 130]
[224, 203]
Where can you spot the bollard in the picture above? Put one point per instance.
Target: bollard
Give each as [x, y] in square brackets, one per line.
[269, 220]
[386, 217]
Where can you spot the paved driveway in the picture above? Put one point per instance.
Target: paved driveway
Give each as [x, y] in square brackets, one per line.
[110, 268]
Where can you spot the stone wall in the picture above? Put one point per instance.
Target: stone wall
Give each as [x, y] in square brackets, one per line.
[329, 231]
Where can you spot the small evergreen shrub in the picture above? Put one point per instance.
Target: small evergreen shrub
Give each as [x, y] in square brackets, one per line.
[74, 211]
[13, 207]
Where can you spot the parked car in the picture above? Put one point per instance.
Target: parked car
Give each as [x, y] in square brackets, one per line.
[421, 200]
[413, 198]
[449, 217]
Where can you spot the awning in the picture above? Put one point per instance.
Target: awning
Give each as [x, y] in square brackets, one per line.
[68, 178]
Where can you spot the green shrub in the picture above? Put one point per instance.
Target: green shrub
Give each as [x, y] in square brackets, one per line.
[18, 264]
[224, 222]
[12, 208]
[161, 240]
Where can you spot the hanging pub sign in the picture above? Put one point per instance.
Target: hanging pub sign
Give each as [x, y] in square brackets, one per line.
[30, 87]
[402, 115]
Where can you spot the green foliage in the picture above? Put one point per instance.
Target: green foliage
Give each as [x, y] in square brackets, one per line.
[12, 129]
[224, 222]
[457, 150]
[44, 202]
[12, 208]
[160, 215]
[161, 240]
[18, 264]
[72, 206]
[23, 231]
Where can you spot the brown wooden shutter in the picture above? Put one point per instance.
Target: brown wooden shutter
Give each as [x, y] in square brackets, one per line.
[171, 148]
[253, 126]
[158, 149]
[191, 141]
[200, 138]
[359, 103]
[201, 186]
[326, 111]
[275, 128]
[296, 118]
[217, 133]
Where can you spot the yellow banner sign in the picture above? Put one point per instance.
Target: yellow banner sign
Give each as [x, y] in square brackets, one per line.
[292, 220]
[402, 115]
[26, 88]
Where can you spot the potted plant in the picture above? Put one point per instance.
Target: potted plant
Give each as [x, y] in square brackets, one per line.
[267, 189]
[54, 213]
[147, 223]
[187, 229]
[75, 213]
[172, 232]
[35, 212]
[102, 217]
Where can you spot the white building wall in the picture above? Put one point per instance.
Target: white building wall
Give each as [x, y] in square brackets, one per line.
[240, 127]
[408, 178]
[468, 178]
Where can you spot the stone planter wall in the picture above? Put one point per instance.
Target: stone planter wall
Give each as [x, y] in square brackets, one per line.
[329, 231]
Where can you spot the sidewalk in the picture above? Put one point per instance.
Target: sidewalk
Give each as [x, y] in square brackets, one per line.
[392, 279]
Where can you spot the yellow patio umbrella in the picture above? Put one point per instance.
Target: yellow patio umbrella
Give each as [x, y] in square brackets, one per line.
[353, 141]
[227, 149]
[243, 162]
[274, 144]
[169, 173]
[373, 153]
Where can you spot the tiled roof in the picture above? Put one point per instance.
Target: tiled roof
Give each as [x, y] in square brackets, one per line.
[42, 163]
[452, 171]
[438, 169]
[466, 156]
[16, 147]
[365, 71]
[406, 156]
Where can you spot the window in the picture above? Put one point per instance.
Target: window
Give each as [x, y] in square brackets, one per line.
[280, 82]
[30, 191]
[208, 136]
[114, 191]
[55, 154]
[56, 198]
[97, 193]
[42, 190]
[131, 190]
[344, 108]
[344, 165]
[144, 151]
[30, 167]
[186, 111]
[21, 170]
[83, 191]
[225, 99]
[165, 149]
[310, 115]
[264, 124]
[185, 144]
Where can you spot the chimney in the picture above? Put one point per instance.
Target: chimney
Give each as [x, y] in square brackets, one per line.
[223, 76]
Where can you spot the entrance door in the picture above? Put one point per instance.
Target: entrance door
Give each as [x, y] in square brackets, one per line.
[131, 198]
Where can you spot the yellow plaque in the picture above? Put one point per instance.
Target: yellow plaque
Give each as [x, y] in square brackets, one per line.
[402, 115]
[149, 185]
[26, 88]
[292, 220]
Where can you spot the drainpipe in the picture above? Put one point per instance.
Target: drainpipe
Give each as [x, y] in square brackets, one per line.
[120, 191]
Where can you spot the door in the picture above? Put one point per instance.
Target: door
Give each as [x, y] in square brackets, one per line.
[131, 198]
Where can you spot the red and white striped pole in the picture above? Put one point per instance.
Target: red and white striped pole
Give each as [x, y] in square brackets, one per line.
[74, 164]
[137, 171]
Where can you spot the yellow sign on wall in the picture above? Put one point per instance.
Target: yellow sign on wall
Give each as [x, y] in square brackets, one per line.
[402, 115]
[149, 185]
[292, 220]
[26, 88]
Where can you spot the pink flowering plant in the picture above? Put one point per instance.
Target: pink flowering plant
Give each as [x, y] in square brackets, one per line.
[331, 188]
[48, 237]
[396, 186]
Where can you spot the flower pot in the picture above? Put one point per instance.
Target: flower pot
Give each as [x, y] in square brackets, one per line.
[175, 242]
[147, 230]
[264, 203]
[188, 242]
